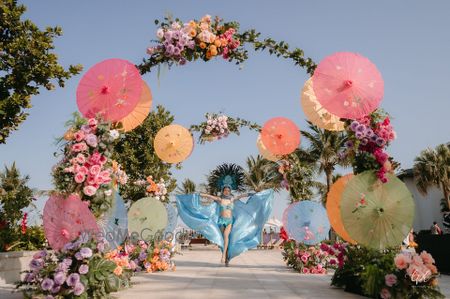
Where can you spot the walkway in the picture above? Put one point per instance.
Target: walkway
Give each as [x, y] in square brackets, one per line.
[254, 274]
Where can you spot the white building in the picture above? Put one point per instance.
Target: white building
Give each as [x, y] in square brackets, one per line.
[428, 207]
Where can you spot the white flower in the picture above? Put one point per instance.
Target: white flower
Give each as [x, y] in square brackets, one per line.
[222, 131]
[108, 192]
[176, 26]
[157, 197]
[208, 128]
[114, 134]
[207, 131]
[160, 33]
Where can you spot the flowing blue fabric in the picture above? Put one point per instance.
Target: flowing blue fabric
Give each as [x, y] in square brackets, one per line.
[248, 220]
[172, 217]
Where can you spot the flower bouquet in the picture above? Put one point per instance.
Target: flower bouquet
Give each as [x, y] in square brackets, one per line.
[316, 259]
[179, 42]
[388, 274]
[367, 139]
[218, 126]
[152, 257]
[86, 167]
[80, 270]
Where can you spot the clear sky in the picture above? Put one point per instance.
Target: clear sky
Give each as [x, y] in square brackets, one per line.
[407, 40]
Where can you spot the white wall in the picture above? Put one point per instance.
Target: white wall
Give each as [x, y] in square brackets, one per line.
[428, 207]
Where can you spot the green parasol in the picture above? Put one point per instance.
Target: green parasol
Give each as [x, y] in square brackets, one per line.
[147, 218]
[374, 214]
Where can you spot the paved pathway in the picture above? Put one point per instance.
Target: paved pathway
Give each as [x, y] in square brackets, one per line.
[254, 274]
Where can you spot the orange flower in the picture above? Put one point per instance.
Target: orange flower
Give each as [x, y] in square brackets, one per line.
[155, 259]
[118, 271]
[192, 24]
[115, 166]
[217, 43]
[223, 42]
[193, 32]
[208, 55]
[68, 135]
[156, 251]
[434, 282]
[202, 45]
[149, 269]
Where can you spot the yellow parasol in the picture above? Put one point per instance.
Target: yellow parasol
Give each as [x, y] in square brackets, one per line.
[173, 143]
[265, 152]
[317, 114]
[140, 112]
[334, 207]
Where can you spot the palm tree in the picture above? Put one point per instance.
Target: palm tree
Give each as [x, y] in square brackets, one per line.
[262, 174]
[432, 168]
[187, 187]
[325, 147]
[322, 188]
[301, 177]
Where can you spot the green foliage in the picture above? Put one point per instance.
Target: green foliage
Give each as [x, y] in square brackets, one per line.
[301, 177]
[27, 63]
[432, 168]
[137, 156]
[261, 174]
[325, 148]
[187, 187]
[15, 195]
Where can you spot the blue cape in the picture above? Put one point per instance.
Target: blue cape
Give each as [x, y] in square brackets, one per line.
[248, 220]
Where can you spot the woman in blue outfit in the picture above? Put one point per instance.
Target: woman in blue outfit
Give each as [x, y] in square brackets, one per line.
[225, 221]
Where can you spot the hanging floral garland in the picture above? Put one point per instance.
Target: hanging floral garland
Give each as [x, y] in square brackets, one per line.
[179, 42]
[218, 126]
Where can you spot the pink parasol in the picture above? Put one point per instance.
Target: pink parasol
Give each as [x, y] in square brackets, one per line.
[348, 85]
[280, 136]
[112, 88]
[65, 219]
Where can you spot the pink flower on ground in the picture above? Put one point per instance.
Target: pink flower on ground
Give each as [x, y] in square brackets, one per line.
[305, 270]
[89, 190]
[95, 170]
[402, 261]
[426, 258]
[304, 259]
[390, 280]
[385, 294]
[79, 136]
[91, 140]
[79, 178]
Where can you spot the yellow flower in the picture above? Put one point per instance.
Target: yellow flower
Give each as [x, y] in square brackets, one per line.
[68, 135]
[202, 45]
[118, 271]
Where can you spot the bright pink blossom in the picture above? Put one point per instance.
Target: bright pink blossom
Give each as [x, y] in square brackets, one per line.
[79, 136]
[390, 280]
[79, 178]
[89, 190]
[402, 261]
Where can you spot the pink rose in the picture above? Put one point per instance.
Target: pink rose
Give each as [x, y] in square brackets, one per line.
[86, 129]
[92, 122]
[95, 158]
[84, 170]
[68, 169]
[426, 258]
[89, 190]
[432, 268]
[313, 270]
[79, 178]
[91, 180]
[103, 160]
[305, 270]
[304, 258]
[79, 136]
[402, 261]
[79, 147]
[95, 170]
[91, 140]
[81, 159]
[385, 294]
[390, 280]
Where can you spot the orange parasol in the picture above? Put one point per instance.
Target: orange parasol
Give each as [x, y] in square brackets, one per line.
[173, 143]
[140, 112]
[315, 112]
[280, 135]
[334, 207]
[263, 151]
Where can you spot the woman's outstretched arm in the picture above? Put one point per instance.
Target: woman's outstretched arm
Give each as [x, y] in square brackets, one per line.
[209, 196]
[242, 196]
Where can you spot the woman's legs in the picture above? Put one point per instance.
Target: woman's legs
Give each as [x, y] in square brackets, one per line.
[226, 235]
[222, 229]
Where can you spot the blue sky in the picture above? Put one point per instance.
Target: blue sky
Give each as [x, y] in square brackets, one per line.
[407, 40]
